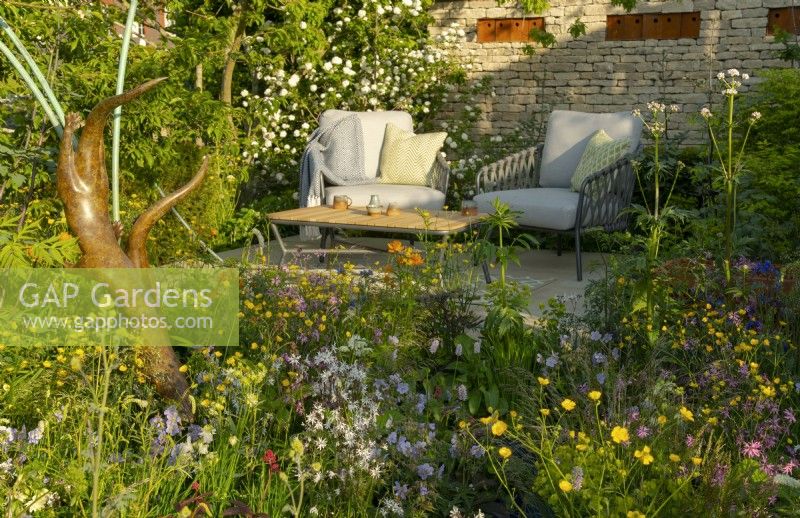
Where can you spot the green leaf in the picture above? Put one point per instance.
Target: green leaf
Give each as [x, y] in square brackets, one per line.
[474, 402]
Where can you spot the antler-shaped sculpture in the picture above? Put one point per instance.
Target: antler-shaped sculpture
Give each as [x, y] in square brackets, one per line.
[82, 183]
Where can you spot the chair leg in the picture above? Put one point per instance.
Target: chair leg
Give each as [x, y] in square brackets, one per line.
[559, 243]
[578, 259]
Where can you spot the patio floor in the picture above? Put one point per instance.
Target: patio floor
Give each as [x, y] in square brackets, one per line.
[548, 274]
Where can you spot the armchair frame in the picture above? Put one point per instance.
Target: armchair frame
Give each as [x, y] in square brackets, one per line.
[602, 198]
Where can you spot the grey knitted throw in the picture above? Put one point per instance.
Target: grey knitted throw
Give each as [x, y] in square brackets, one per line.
[335, 153]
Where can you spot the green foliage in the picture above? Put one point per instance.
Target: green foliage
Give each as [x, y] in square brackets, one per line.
[770, 192]
[791, 50]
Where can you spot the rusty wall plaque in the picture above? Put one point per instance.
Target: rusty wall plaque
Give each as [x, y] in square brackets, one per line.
[651, 26]
[690, 25]
[787, 18]
[504, 30]
[670, 26]
[624, 27]
[507, 29]
[486, 28]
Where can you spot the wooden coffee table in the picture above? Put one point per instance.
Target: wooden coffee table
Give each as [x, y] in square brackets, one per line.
[432, 223]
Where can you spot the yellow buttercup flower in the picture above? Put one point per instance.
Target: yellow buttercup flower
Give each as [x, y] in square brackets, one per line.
[635, 514]
[662, 419]
[644, 455]
[697, 461]
[499, 428]
[674, 458]
[620, 434]
[686, 414]
[565, 486]
[504, 452]
[568, 405]
[486, 420]
[543, 381]
[595, 395]
[544, 411]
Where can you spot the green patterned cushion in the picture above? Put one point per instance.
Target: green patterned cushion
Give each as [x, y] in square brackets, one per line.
[601, 151]
[408, 159]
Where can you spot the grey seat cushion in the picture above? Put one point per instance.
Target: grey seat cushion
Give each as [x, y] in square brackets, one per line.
[373, 125]
[548, 208]
[406, 196]
[568, 133]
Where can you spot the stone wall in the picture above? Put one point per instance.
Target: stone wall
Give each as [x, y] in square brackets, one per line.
[595, 75]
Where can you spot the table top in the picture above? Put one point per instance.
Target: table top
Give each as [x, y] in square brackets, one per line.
[439, 222]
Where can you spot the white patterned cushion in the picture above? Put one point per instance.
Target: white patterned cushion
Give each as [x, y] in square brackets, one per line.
[601, 151]
[408, 159]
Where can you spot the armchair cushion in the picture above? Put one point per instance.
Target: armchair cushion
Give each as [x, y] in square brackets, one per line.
[408, 159]
[568, 133]
[406, 196]
[373, 125]
[547, 208]
[600, 152]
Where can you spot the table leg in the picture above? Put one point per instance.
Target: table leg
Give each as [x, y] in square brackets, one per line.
[279, 239]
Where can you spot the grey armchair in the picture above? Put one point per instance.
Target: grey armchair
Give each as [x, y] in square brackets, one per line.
[536, 181]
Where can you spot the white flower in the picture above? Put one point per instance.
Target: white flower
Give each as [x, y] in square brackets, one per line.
[733, 72]
[303, 25]
[637, 112]
[745, 77]
[674, 108]
[706, 113]
[293, 80]
[721, 76]
[313, 88]
[380, 10]
[336, 60]
[327, 66]
[362, 13]
[730, 91]
[244, 93]
[233, 440]
[755, 116]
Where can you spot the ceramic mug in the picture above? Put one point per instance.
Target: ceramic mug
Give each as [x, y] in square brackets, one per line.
[469, 208]
[342, 202]
[393, 209]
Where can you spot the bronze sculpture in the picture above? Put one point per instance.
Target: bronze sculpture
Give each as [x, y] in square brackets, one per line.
[83, 186]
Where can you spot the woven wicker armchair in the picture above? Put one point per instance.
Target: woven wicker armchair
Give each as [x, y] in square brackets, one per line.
[536, 181]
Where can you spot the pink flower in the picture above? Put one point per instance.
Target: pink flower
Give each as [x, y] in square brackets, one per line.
[752, 449]
[789, 467]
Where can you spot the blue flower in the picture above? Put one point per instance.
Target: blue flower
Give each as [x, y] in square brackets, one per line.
[422, 400]
[595, 336]
[598, 358]
[173, 422]
[551, 360]
[400, 490]
[601, 378]
[425, 471]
